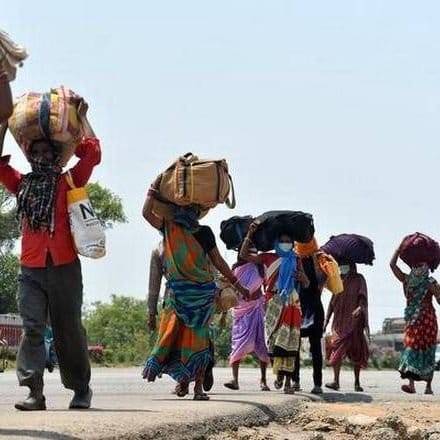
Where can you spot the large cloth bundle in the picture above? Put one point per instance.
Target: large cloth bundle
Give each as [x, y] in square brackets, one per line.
[298, 225]
[418, 248]
[52, 116]
[234, 230]
[11, 55]
[190, 181]
[350, 249]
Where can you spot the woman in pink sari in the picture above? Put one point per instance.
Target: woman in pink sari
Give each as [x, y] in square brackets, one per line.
[248, 324]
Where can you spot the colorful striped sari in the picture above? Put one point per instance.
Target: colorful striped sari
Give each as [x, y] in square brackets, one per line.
[182, 347]
[282, 320]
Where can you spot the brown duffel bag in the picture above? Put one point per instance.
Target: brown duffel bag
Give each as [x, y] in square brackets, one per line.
[190, 181]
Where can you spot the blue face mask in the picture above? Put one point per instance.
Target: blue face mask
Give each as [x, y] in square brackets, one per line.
[344, 269]
[286, 247]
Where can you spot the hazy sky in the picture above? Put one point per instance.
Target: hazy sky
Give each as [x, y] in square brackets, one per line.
[326, 107]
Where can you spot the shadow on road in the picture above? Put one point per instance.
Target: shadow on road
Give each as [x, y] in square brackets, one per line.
[346, 397]
[104, 410]
[32, 433]
[261, 406]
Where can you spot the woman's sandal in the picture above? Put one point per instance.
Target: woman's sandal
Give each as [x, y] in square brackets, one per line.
[200, 396]
[182, 389]
[407, 389]
[278, 383]
[332, 385]
[264, 387]
[231, 385]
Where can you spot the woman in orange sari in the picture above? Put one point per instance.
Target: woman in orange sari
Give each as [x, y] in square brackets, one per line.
[182, 348]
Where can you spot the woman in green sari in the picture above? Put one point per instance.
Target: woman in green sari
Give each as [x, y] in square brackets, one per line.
[182, 348]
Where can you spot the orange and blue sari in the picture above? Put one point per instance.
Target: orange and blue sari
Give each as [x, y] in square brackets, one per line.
[182, 347]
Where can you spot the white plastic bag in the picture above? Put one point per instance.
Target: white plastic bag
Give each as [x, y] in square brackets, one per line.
[88, 234]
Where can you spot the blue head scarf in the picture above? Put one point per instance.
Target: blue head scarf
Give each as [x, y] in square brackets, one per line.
[187, 216]
[286, 282]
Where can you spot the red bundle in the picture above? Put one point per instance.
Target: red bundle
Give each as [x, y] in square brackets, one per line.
[418, 248]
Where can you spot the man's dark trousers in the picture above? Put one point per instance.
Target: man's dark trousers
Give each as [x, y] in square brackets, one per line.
[56, 290]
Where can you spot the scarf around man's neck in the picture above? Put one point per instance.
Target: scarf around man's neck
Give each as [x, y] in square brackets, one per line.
[36, 196]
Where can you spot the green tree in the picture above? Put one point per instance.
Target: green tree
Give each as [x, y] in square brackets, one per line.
[9, 265]
[8, 224]
[222, 338]
[107, 205]
[120, 326]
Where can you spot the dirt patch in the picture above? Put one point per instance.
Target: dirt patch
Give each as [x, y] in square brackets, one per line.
[344, 421]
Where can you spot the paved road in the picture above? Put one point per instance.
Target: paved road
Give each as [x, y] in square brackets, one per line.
[126, 407]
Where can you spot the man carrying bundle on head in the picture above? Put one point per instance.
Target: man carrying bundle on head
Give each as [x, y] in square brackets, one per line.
[50, 278]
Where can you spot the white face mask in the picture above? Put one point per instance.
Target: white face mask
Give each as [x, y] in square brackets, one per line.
[344, 269]
[286, 247]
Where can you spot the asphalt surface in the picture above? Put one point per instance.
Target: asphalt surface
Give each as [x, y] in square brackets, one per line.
[125, 407]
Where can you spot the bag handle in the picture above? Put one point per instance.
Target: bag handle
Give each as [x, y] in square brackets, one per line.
[188, 158]
[69, 180]
[231, 202]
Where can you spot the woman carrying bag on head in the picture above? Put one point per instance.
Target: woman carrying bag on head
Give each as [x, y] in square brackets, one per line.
[283, 274]
[417, 360]
[182, 348]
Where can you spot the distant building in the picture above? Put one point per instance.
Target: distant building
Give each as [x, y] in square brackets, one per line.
[11, 328]
[393, 325]
[392, 334]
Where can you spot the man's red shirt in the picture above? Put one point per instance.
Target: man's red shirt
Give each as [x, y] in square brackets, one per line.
[37, 245]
